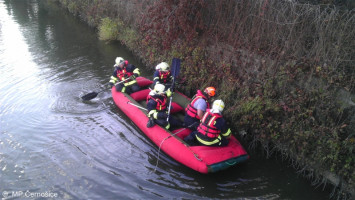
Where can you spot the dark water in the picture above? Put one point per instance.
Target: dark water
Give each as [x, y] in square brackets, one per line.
[52, 143]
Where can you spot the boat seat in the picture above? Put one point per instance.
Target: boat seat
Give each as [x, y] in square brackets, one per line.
[143, 82]
[175, 108]
[140, 95]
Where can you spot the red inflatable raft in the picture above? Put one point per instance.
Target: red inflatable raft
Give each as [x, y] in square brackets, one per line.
[203, 159]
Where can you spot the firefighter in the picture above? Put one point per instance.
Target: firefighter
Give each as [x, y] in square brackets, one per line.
[163, 75]
[213, 130]
[157, 107]
[126, 74]
[195, 110]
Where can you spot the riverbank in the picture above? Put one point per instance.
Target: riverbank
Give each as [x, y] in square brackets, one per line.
[286, 77]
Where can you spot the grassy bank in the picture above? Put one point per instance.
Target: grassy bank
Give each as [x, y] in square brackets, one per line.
[285, 70]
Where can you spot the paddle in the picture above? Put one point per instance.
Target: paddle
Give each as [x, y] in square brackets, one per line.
[136, 106]
[175, 70]
[92, 95]
[151, 122]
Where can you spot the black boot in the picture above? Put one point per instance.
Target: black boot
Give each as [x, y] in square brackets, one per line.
[150, 123]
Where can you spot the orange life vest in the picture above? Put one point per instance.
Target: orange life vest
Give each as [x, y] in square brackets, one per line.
[123, 73]
[207, 126]
[191, 110]
[164, 77]
[161, 104]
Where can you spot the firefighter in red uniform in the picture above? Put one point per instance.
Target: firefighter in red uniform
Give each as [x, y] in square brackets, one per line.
[197, 107]
[125, 72]
[163, 75]
[212, 130]
[157, 107]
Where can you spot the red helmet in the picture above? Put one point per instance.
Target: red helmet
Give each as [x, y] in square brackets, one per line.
[211, 91]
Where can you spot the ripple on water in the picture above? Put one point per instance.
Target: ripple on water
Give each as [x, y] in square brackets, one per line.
[70, 102]
[12, 167]
[71, 105]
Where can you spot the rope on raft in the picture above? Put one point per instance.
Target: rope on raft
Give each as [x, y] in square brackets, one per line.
[196, 156]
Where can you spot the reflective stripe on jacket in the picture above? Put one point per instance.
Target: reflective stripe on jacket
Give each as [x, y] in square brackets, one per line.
[164, 77]
[122, 74]
[207, 126]
[208, 141]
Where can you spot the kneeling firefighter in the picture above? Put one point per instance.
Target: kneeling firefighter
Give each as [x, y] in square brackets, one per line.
[212, 130]
[157, 108]
[197, 107]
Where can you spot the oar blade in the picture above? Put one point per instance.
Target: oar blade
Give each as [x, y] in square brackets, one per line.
[175, 69]
[89, 96]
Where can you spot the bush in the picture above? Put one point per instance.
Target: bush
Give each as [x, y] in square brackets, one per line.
[108, 29]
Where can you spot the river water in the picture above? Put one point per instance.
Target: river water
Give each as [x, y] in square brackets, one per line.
[53, 145]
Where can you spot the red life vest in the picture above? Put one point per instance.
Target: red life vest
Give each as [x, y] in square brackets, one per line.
[164, 77]
[207, 126]
[191, 110]
[161, 104]
[123, 73]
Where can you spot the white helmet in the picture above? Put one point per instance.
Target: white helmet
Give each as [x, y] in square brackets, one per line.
[119, 60]
[159, 88]
[163, 66]
[218, 105]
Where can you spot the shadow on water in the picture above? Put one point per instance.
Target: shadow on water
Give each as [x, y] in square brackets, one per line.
[51, 140]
